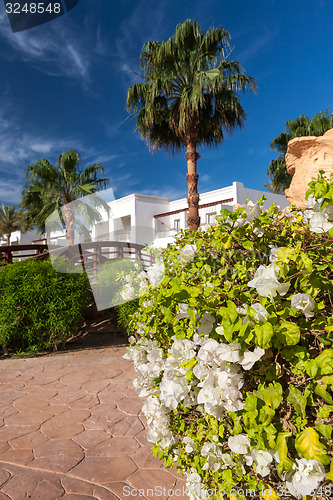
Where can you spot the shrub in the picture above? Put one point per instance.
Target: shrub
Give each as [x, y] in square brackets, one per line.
[125, 312]
[236, 353]
[40, 307]
[110, 280]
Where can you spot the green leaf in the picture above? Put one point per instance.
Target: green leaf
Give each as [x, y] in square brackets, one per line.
[308, 446]
[325, 430]
[288, 333]
[282, 449]
[321, 391]
[271, 395]
[325, 362]
[232, 311]
[329, 475]
[247, 244]
[264, 334]
[297, 399]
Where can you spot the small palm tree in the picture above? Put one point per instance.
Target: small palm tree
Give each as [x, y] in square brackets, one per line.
[10, 220]
[49, 188]
[300, 127]
[189, 96]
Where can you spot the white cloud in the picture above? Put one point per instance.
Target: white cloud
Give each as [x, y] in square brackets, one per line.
[10, 191]
[54, 48]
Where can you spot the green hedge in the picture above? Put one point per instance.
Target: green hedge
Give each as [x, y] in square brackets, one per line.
[40, 308]
[125, 313]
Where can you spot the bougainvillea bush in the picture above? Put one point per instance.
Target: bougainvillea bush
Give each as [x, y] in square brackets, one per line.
[235, 354]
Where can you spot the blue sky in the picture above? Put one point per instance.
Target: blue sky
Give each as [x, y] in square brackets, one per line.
[64, 86]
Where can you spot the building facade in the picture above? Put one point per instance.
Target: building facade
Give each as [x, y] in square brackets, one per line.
[142, 218]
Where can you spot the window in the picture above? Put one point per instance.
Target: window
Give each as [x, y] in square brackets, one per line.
[177, 224]
[211, 218]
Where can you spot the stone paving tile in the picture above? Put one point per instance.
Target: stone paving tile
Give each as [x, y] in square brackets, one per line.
[111, 396]
[90, 438]
[28, 441]
[101, 471]
[66, 424]
[131, 405]
[144, 459]
[73, 486]
[152, 482]
[21, 457]
[114, 447]
[128, 426]
[125, 491]
[71, 427]
[34, 418]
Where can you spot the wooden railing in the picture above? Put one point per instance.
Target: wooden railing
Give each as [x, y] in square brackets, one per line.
[90, 255]
[10, 252]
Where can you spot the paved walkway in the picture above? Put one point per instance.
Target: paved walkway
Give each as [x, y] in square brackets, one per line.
[71, 427]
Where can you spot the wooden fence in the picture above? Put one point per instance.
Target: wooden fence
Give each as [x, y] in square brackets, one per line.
[90, 255]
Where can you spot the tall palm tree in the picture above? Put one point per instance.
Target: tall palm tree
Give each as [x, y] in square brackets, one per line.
[189, 96]
[10, 220]
[49, 188]
[300, 127]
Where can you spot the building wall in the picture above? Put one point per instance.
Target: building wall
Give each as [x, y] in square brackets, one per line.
[242, 194]
[131, 218]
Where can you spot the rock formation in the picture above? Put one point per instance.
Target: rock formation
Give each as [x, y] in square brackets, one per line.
[305, 157]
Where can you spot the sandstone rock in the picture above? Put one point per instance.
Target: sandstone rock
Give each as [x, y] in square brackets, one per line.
[305, 157]
[235, 206]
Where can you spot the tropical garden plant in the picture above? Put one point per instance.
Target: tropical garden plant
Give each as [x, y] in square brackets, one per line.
[49, 188]
[10, 220]
[234, 352]
[303, 126]
[40, 308]
[189, 96]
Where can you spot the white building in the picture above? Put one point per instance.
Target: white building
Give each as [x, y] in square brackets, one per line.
[142, 218]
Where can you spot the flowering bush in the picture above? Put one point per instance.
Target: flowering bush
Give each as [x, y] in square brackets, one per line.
[235, 355]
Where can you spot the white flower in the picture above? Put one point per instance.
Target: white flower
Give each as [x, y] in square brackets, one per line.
[260, 315]
[141, 327]
[128, 292]
[194, 487]
[303, 302]
[182, 312]
[314, 203]
[252, 210]
[319, 223]
[173, 389]
[266, 282]
[261, 458]
[187, 253]
[147, 303]
[189, 444]
[273, 254]
[182, 350]
[206, 324]
[258, 231]
[249, 358]
[306, 479]
[213, 452]
[155, 273]
[239, 444]
[229, 352]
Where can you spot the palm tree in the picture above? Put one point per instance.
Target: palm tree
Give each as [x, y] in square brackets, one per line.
[10, 220]
[189, 96]
[300, 127]
[49, 188]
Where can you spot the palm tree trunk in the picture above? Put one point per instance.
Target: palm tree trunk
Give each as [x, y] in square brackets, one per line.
[192, 177]
[69, 223]
[8, 238]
